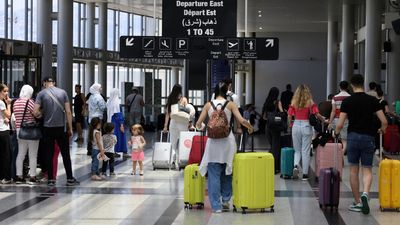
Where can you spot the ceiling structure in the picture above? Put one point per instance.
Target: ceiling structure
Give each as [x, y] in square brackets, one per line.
[276, 15]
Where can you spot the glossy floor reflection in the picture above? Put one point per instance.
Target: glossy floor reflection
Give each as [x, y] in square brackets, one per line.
[157, 198]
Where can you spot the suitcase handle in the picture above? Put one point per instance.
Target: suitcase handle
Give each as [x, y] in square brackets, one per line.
[241, 147]
[162, 135]
[380, 146]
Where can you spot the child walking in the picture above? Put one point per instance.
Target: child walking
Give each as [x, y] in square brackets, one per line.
[97, 142]
[137, 144]
[109, 141]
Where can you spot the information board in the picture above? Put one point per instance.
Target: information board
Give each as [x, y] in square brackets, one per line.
[199, 48]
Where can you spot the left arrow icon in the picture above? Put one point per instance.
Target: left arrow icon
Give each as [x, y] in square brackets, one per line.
[129, 41]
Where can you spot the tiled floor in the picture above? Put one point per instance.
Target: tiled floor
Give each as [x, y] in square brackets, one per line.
[157, 198]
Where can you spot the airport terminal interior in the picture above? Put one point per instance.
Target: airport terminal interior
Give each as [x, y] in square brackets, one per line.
[151, 45]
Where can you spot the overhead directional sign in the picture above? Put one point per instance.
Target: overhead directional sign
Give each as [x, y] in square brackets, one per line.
[199, 18]
[199, 48]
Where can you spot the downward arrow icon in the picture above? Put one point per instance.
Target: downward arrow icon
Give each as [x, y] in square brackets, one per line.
[269, 43]
[129, 41]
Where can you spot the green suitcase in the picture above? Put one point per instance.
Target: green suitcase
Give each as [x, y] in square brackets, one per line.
[193, 187]
[253, 181]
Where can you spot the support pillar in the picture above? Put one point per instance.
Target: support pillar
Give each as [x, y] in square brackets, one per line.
[393, 67]
[103, 46]
[373, 42]
[250, 77]
[90, 40]
[347, 41]
[239, 85]
[174, 76]
[44, 34]
[64, 46]
[331, 81]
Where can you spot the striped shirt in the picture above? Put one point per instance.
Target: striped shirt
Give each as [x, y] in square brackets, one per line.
[18, 109]
[337, 102]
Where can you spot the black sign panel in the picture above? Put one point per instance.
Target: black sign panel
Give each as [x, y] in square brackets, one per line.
[199, 48]
[199, 18]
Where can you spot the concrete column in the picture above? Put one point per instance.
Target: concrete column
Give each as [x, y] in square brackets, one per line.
[239, 85]
[184, 75]
[174, 76]
[64, 46]
[90, 40]
[393, 67]
[347, 41]
[103, 45]
[331, 81]
[44, 34]
[250, 77]
[373, 42]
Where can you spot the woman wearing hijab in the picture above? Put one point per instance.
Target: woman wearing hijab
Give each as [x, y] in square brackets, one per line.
[25, 103]
[114, 115]
[97, 105]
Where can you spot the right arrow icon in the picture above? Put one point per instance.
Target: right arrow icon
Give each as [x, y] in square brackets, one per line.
[269, 43]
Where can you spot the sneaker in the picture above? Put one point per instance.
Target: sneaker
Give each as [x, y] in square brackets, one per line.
[32, 181]
[355, 207]
[225, 206]
[96, 178]
[296, 173]
[112, 174]
[217, 211]
[51, 183]
[103, 176]
[133, 173]
[141, 173]
[6, 181]
[305, 177]
[116, 155]
[19, 180]
[72, 182]
[365, 206]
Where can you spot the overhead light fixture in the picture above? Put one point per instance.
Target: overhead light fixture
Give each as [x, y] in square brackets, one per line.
[259, 11]
[259, 15]
[260, 28]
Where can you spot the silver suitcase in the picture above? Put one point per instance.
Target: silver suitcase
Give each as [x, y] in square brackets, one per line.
[162, 154]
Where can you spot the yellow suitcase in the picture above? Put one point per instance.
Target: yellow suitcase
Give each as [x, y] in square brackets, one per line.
[389, 184]
[193, 187]
[253, 181]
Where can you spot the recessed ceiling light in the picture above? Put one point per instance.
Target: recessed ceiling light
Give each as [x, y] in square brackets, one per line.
[259, 11]
[260, 28]
[259, 15]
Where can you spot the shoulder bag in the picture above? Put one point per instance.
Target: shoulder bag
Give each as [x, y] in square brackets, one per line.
[29, 130]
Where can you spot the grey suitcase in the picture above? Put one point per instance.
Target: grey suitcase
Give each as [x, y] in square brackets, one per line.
[162, 154]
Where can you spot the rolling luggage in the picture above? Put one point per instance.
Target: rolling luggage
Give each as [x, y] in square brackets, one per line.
[329, 183]
[253, 181]
[184, 147]
[324, 156]
[193, 187]
[162, 154]
[389, 184]
[286, 140]
[391, 140]
[197, 149]
[287, 162]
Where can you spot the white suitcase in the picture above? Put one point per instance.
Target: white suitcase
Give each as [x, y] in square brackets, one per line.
[162, 154]
[185, 144]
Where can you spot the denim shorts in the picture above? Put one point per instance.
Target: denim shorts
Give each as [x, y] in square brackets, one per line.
[360, 147]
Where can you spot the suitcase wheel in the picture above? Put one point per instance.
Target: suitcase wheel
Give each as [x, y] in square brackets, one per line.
[190, 206]
[320, 206]
[243, 210]
[272, 209]
[234, 209]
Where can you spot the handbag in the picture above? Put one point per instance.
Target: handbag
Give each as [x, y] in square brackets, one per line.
[313, 120]
[177, 113]
[276, 120]
[29, 130]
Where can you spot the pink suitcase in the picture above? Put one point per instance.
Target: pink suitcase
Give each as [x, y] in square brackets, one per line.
[324, 158]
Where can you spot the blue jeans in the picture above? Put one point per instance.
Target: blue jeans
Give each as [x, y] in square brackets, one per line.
[219, 185]
[360, 147]
[302, 133]
[95, 162]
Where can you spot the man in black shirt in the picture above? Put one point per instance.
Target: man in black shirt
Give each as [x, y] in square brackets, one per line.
[286, 97]
[360, 109]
